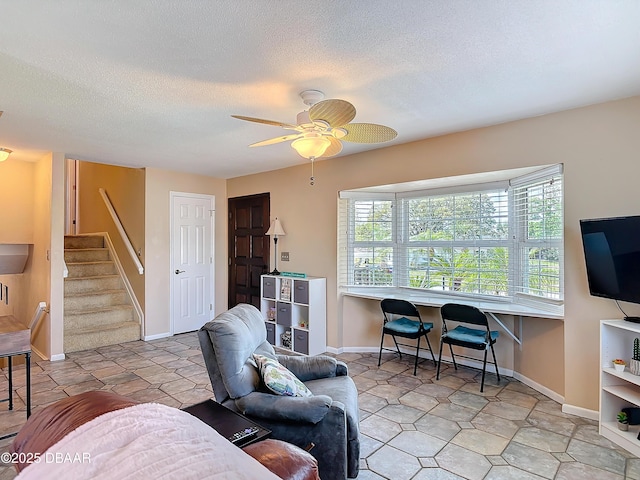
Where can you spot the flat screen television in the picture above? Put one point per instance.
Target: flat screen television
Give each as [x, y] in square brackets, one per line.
[612, 256]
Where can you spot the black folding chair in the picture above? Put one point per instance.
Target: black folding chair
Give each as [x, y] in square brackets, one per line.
[475, 338]
[402, 319]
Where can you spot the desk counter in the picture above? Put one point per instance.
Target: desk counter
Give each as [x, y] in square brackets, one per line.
[15, 338]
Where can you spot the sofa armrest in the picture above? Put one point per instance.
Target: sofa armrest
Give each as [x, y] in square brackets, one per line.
[279, 407]
[341, 369]
[284, 459]
[312, 368]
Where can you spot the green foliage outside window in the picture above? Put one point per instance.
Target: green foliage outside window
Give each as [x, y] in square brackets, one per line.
[467, 242]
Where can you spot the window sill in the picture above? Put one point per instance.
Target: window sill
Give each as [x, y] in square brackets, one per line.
[437, 300]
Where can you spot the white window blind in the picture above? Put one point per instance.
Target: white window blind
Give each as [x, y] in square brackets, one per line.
[457, 242]
[371, 237]
[538, 234]
[497, 240]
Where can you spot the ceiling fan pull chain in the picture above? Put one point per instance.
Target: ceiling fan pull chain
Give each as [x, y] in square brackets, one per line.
[312, 178]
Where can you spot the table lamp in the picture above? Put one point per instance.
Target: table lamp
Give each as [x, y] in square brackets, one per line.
[275, 230]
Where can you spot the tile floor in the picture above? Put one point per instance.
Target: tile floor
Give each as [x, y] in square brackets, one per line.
[411, 427]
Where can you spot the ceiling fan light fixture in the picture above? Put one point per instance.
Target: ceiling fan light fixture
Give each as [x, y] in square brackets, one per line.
[339, 132]
[311, 146]
[5, 152]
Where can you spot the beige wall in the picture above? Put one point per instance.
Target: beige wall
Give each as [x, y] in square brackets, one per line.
[17, 192]
[125, 188]
[14, 283]
[16, 223]
[37, 270]
[598, 146]
[35, 194]
[541, 355]
[158, 185]
[26, 188]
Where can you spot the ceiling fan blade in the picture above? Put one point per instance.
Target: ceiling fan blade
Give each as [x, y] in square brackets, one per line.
[333, 149]
[271, 141]
[335, 112]
[266, 122]
[368, 133]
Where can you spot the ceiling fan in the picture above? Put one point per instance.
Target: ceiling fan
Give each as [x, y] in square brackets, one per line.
[320, 131]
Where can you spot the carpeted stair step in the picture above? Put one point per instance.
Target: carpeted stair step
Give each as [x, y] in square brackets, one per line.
[92, 300]
[77, 255]
[98, 283]
[75, 321]
[83, 241]
[95, 337]
[91, 269]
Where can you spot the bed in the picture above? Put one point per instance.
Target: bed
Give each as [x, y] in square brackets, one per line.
[102, 435]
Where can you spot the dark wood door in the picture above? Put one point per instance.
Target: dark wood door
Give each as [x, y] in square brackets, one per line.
[248, 247]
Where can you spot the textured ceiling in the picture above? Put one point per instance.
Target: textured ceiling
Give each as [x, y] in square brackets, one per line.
[154, 83]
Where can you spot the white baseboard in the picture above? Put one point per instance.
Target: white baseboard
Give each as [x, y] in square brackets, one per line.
[580, 412]
[54, 358]
[39, 353]
[157, 336]
[338, 351]
[540, 388]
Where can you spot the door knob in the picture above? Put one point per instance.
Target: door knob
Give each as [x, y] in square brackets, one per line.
[179, 271]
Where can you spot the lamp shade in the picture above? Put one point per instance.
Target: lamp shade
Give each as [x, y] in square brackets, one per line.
[4, 153]
[311, 146]
[275, 229]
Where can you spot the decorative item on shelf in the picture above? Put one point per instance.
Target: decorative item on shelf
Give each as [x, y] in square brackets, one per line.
[302, 324]
[619, 365]
[271, 313]
[285, 290]
[275, 230]
[293, 274]
[634, 363]
[633, 415]
[623, 421]
[285, 339]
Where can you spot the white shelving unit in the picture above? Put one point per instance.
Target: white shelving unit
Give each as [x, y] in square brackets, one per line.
[295, 312]
[618, 389]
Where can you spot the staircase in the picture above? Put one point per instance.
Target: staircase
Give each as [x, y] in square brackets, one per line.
[97, 308]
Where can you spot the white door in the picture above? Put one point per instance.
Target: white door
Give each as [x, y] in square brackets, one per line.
[192, 261]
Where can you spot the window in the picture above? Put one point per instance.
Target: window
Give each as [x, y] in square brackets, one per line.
[457, 242]
[538, 224]
[372, 239]
[499, 239]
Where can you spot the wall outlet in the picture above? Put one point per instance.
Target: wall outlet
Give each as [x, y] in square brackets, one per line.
[284, 256]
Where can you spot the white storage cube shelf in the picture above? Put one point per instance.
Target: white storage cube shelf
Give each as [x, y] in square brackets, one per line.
[295, 312]
[618, 390]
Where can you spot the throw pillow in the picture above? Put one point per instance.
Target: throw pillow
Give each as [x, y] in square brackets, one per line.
[279, 379]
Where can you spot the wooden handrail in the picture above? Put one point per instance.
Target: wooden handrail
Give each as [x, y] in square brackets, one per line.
[121, 231]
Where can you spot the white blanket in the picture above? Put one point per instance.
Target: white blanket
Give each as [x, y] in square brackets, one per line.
[146, 441]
